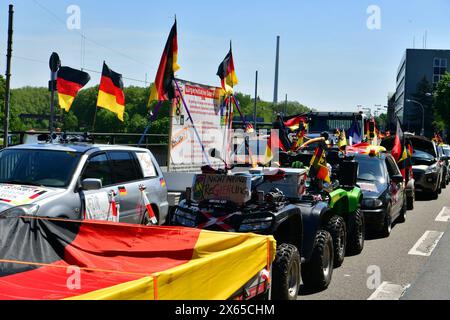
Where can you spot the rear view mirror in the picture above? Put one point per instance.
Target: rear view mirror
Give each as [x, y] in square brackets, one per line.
[91, 184]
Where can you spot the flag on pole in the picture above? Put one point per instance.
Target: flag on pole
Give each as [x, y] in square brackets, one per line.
[319, 167]
[69, 82]
[397, 150]
[227, 73]
[111, 96]
[296, 122]
[342, 140]
[273, 143]
[355, 133]
[163, 89]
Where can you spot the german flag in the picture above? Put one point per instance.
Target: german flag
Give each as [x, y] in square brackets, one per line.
[162, 89]
[319, 167]
[342, 140]
[227, 73]
[273, 142]
[53, 259]
[68, 83]
[110, 95]
[296, 122]
[123, 191]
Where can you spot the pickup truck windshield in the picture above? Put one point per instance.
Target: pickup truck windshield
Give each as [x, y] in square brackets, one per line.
[38, 167]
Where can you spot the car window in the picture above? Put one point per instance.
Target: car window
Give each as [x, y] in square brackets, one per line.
[370, 169]
[124, 167]
[392, 167]
[38, 167]
[98, 168]
[147, 166]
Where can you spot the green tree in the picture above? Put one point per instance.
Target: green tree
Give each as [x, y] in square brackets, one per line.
[442, 101]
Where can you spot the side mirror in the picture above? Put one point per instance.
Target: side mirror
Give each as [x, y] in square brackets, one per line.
[91, 184]
[398, 178]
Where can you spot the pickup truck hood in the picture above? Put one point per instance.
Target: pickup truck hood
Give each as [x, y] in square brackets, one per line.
[12, 195]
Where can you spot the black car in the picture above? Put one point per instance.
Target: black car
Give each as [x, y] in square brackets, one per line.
[384, 192]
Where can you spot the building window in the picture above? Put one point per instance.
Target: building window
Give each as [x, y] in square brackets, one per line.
[439, 69]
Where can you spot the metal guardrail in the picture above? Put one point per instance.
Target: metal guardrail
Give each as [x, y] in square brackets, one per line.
[156, 143]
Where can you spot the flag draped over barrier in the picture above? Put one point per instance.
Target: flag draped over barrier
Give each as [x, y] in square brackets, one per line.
[69, 82]
[59, 259]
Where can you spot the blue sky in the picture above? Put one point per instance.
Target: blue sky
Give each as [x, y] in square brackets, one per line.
[330, 60]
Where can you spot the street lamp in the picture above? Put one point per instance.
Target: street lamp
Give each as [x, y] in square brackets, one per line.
[422, 132]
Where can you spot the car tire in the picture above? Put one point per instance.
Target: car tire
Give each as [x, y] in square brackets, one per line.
[410, 200]
[356, 234]
[435, 195]
[318, 271]
[338, 231]
[403, 212]
[387, 225]
[286, 273]
[146, 220]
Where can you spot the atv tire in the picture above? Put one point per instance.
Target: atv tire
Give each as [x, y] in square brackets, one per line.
[356, 233]
[286, 273]
[318, 271]
[338, 231]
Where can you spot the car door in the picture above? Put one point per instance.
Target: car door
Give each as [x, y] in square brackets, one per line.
[396, 189]
[156, 189]
[97, 203]
[126, 178]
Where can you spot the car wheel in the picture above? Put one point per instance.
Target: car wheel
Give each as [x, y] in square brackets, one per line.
[410, 201]
[146, 220]
[318, 271]
[286, 273]
[435, 195]
[338, 231]
[356, 234]
[387, 226]
[403, 212]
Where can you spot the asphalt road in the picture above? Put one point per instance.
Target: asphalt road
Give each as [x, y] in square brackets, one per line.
[387, 268]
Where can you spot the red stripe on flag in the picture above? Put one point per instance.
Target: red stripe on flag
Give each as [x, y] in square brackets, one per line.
[108, 87]
[68, 88]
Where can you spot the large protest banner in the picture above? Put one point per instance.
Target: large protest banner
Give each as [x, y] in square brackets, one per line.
[211, 117]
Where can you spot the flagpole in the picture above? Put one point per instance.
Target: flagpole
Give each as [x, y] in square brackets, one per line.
[153, 116]
[169, 144]
[95, 119]
[192, 122]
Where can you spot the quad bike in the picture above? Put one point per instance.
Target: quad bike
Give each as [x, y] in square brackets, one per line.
[343, 218]
[220, 201]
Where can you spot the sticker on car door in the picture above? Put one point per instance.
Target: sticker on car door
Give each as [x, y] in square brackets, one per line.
[101, 206]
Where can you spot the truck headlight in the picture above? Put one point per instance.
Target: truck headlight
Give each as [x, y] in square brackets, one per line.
[372, 203]
[256, 224]
[432, 169]
[27, 210]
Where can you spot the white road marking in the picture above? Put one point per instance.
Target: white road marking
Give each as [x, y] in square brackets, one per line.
[426, 244]
[444, 215]
[388, 291]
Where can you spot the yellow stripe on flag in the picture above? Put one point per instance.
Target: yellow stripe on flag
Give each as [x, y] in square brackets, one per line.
[65, 101]
[108, 102]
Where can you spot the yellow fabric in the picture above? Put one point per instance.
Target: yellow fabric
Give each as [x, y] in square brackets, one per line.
[141, 289]
[342, 140]
[108, 102]
[230, 81]
[221, 264]
[65, 101]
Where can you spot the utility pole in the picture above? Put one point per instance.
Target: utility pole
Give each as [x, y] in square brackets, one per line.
[286, 105]
[255, 121]
[277, 68]
[8, 77]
